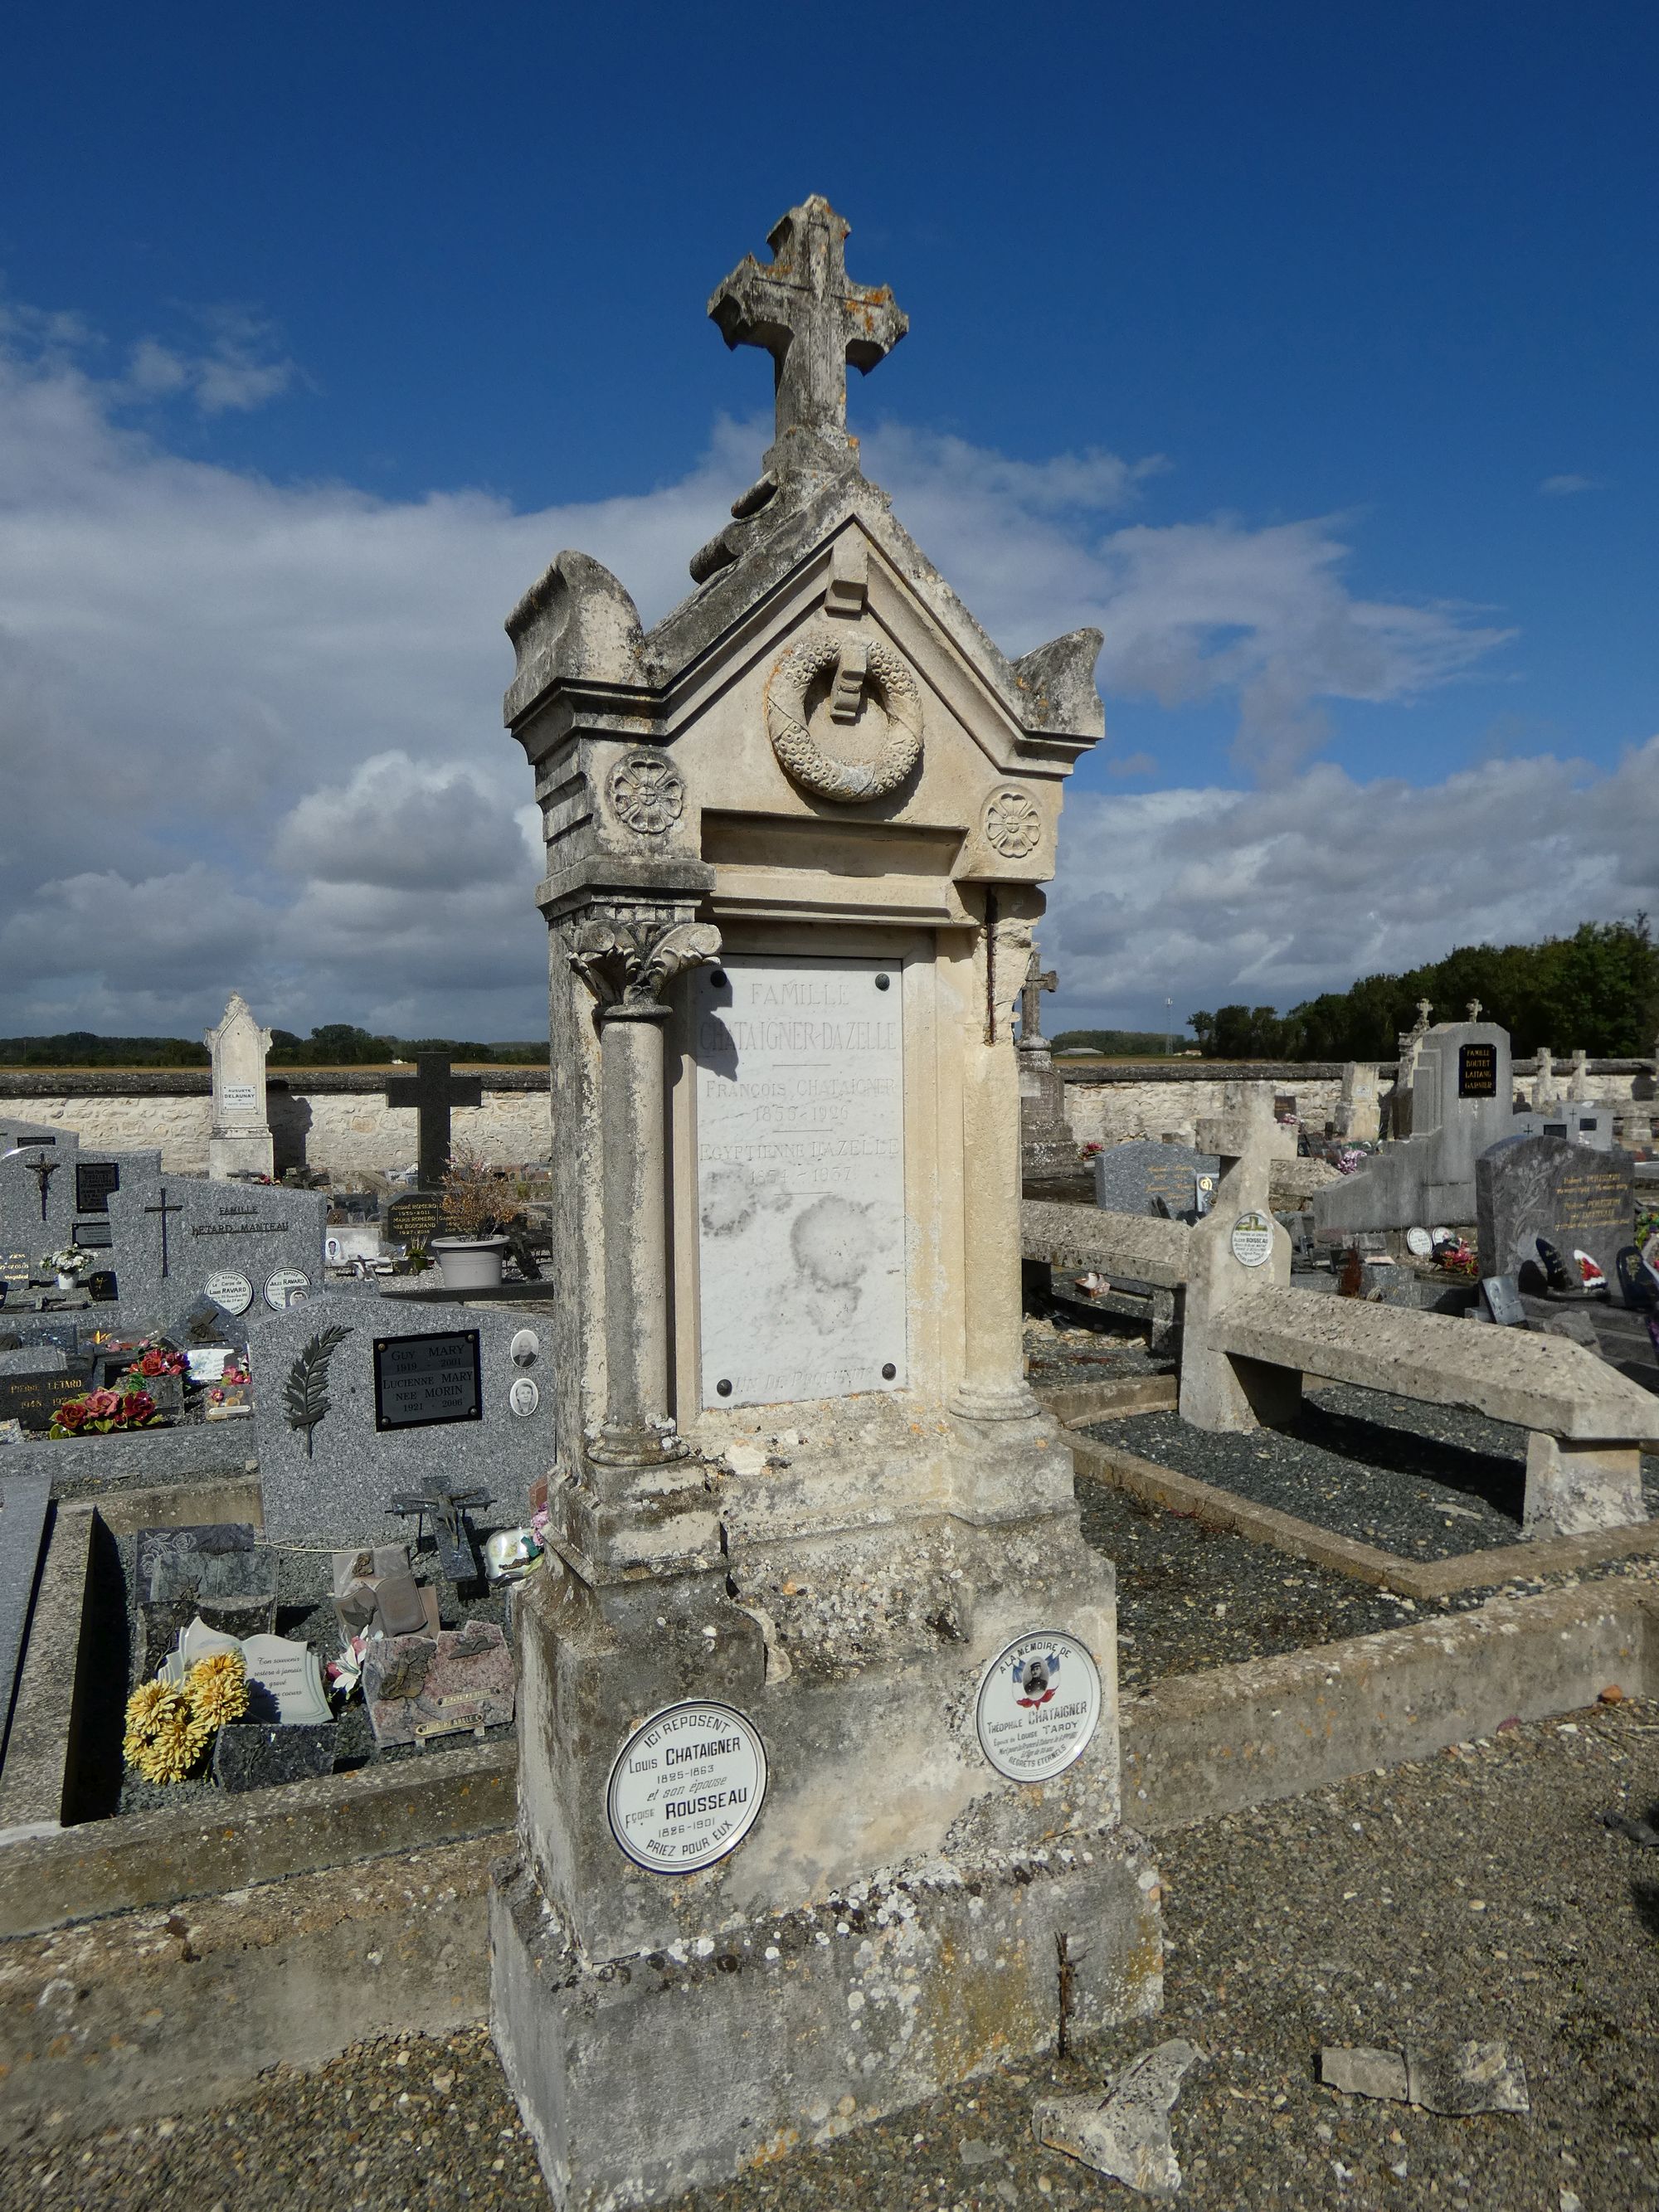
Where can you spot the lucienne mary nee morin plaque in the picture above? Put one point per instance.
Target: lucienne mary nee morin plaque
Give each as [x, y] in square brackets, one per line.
[800, 1178]
[422, 1381]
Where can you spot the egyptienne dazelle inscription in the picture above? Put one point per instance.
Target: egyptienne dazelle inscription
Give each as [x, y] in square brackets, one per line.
[94, 1181]
[1477, 1070]
[687, 1786]
[421, 1381]
[800, 1178]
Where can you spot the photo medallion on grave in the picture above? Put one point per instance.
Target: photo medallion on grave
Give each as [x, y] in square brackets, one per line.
[1039, 1704]
[288, 1287]
[687, 1786]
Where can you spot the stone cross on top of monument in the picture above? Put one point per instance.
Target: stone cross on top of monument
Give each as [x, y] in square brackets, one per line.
[812, 319]
[1037, 980]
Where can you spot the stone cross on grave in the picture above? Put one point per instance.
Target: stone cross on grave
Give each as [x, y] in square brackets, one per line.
[432, 1090]
[813, 320]
[164, 1209]
[1474, 1010]
[1037, 980]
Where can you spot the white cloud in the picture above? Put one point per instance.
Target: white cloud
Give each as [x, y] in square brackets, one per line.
[1221, 895]
[1564, 487]
[250, 730]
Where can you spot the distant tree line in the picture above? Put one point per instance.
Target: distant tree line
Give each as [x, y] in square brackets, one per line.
[1117, 1044]
[334, 1044]
[1598, 988]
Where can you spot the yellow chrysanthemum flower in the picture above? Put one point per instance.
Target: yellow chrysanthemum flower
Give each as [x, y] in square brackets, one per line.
[143, 1708]
[216, 1687]
[177, 1741]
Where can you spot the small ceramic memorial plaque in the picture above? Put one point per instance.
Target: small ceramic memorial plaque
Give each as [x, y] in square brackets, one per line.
[687, 1786]
[288, 1287]
[239, 1098]
[422, 1381]
[1503, 1297]
[1253, 1239]
[1419, 1244]
[1038, 1704]
[524, 1395]
[229, 1290]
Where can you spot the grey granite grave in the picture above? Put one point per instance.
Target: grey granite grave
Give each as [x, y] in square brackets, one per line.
[24, 1498]
[419, 1687]
[221, 1571]
[13, 1133]
[1131, 1178]
[1461, 1102]
[259, 1755]
[51, 1199]
[1577, 1121]
[252, 1248]
[1531, 1187]
[360, 1398]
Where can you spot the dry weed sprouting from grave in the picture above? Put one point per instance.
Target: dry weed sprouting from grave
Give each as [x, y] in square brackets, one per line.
[216, 1687]
[479, 1200]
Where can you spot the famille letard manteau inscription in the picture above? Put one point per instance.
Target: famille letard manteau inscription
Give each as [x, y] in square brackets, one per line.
[800, 1178]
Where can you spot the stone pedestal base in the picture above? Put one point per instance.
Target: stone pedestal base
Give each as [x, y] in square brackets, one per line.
[1573, 1488]
[641, 2077]
[249, 1153]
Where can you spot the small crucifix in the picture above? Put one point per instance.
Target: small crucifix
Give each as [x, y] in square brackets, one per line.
[43, 1171]
[812, 319]
[457, 1551]
[164, 1209]
[1474, 1010]
[432, 1090]
[1037, 980]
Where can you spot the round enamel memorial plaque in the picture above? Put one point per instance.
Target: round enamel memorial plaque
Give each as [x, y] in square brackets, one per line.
[1253, 1239]
[1039, 1704]
[229, 1290]
[288, 1287]
[687, 1786]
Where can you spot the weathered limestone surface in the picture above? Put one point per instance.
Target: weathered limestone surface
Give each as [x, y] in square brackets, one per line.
[817, 766]
[240, 1143]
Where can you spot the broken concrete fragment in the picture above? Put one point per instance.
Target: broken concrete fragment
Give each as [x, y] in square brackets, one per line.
[1125, 2133]
[1452, 2078]
[1361, 2072]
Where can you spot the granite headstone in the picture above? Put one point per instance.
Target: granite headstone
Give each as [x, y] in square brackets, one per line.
[1576, 1198]
[221, 1573]
[1130, 1178]
[362, 1398]
[253, 1249]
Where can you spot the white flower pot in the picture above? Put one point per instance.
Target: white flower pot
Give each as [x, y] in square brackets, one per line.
[469, 1263]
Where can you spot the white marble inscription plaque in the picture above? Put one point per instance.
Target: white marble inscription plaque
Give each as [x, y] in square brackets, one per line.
[800, 1178]
[686, 1786]
[239, 1098]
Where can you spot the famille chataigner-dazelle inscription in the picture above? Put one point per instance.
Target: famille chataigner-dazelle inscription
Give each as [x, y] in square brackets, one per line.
[687, 1786]
[1477, 1070]
[421, 1382]
[800, 1178]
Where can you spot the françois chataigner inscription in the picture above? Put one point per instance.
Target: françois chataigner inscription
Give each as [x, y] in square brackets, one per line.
[687, 1786]
[800, 1178]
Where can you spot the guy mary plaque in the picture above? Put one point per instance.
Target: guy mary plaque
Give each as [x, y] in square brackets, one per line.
[1038, 1704]
[687, 1786]
[800, 1178]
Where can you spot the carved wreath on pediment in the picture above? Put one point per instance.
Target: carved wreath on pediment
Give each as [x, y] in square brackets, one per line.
[799, 669]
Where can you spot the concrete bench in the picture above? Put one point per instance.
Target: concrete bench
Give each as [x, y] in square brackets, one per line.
[1586, 1422]
[1133, 1247]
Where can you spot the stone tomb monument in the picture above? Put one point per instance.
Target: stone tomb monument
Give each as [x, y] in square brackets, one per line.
[1580, 1198]
[1047, 1146]
[239, 1141]
[15, 1132]
[53, 1198]
[1461, 1102]
[818, 1768]
[363, 1399]
[253, 1249]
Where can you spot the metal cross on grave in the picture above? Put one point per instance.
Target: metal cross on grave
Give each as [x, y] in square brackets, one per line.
[1037, 980]
[813, 320]
[432, 1090]
[457, 1554]
[164, 1209]
[43, 1171]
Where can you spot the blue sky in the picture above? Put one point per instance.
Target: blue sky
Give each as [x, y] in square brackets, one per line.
[1313, 353]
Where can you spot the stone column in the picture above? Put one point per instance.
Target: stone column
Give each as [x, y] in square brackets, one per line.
[993, 1386]
[628, 964]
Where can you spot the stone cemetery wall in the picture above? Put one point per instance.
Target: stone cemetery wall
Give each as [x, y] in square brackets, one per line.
[337, 1120]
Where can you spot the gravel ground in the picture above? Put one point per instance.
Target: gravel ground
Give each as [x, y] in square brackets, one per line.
[1474, 1894]
[1429, 1482]
[1088, 1350]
